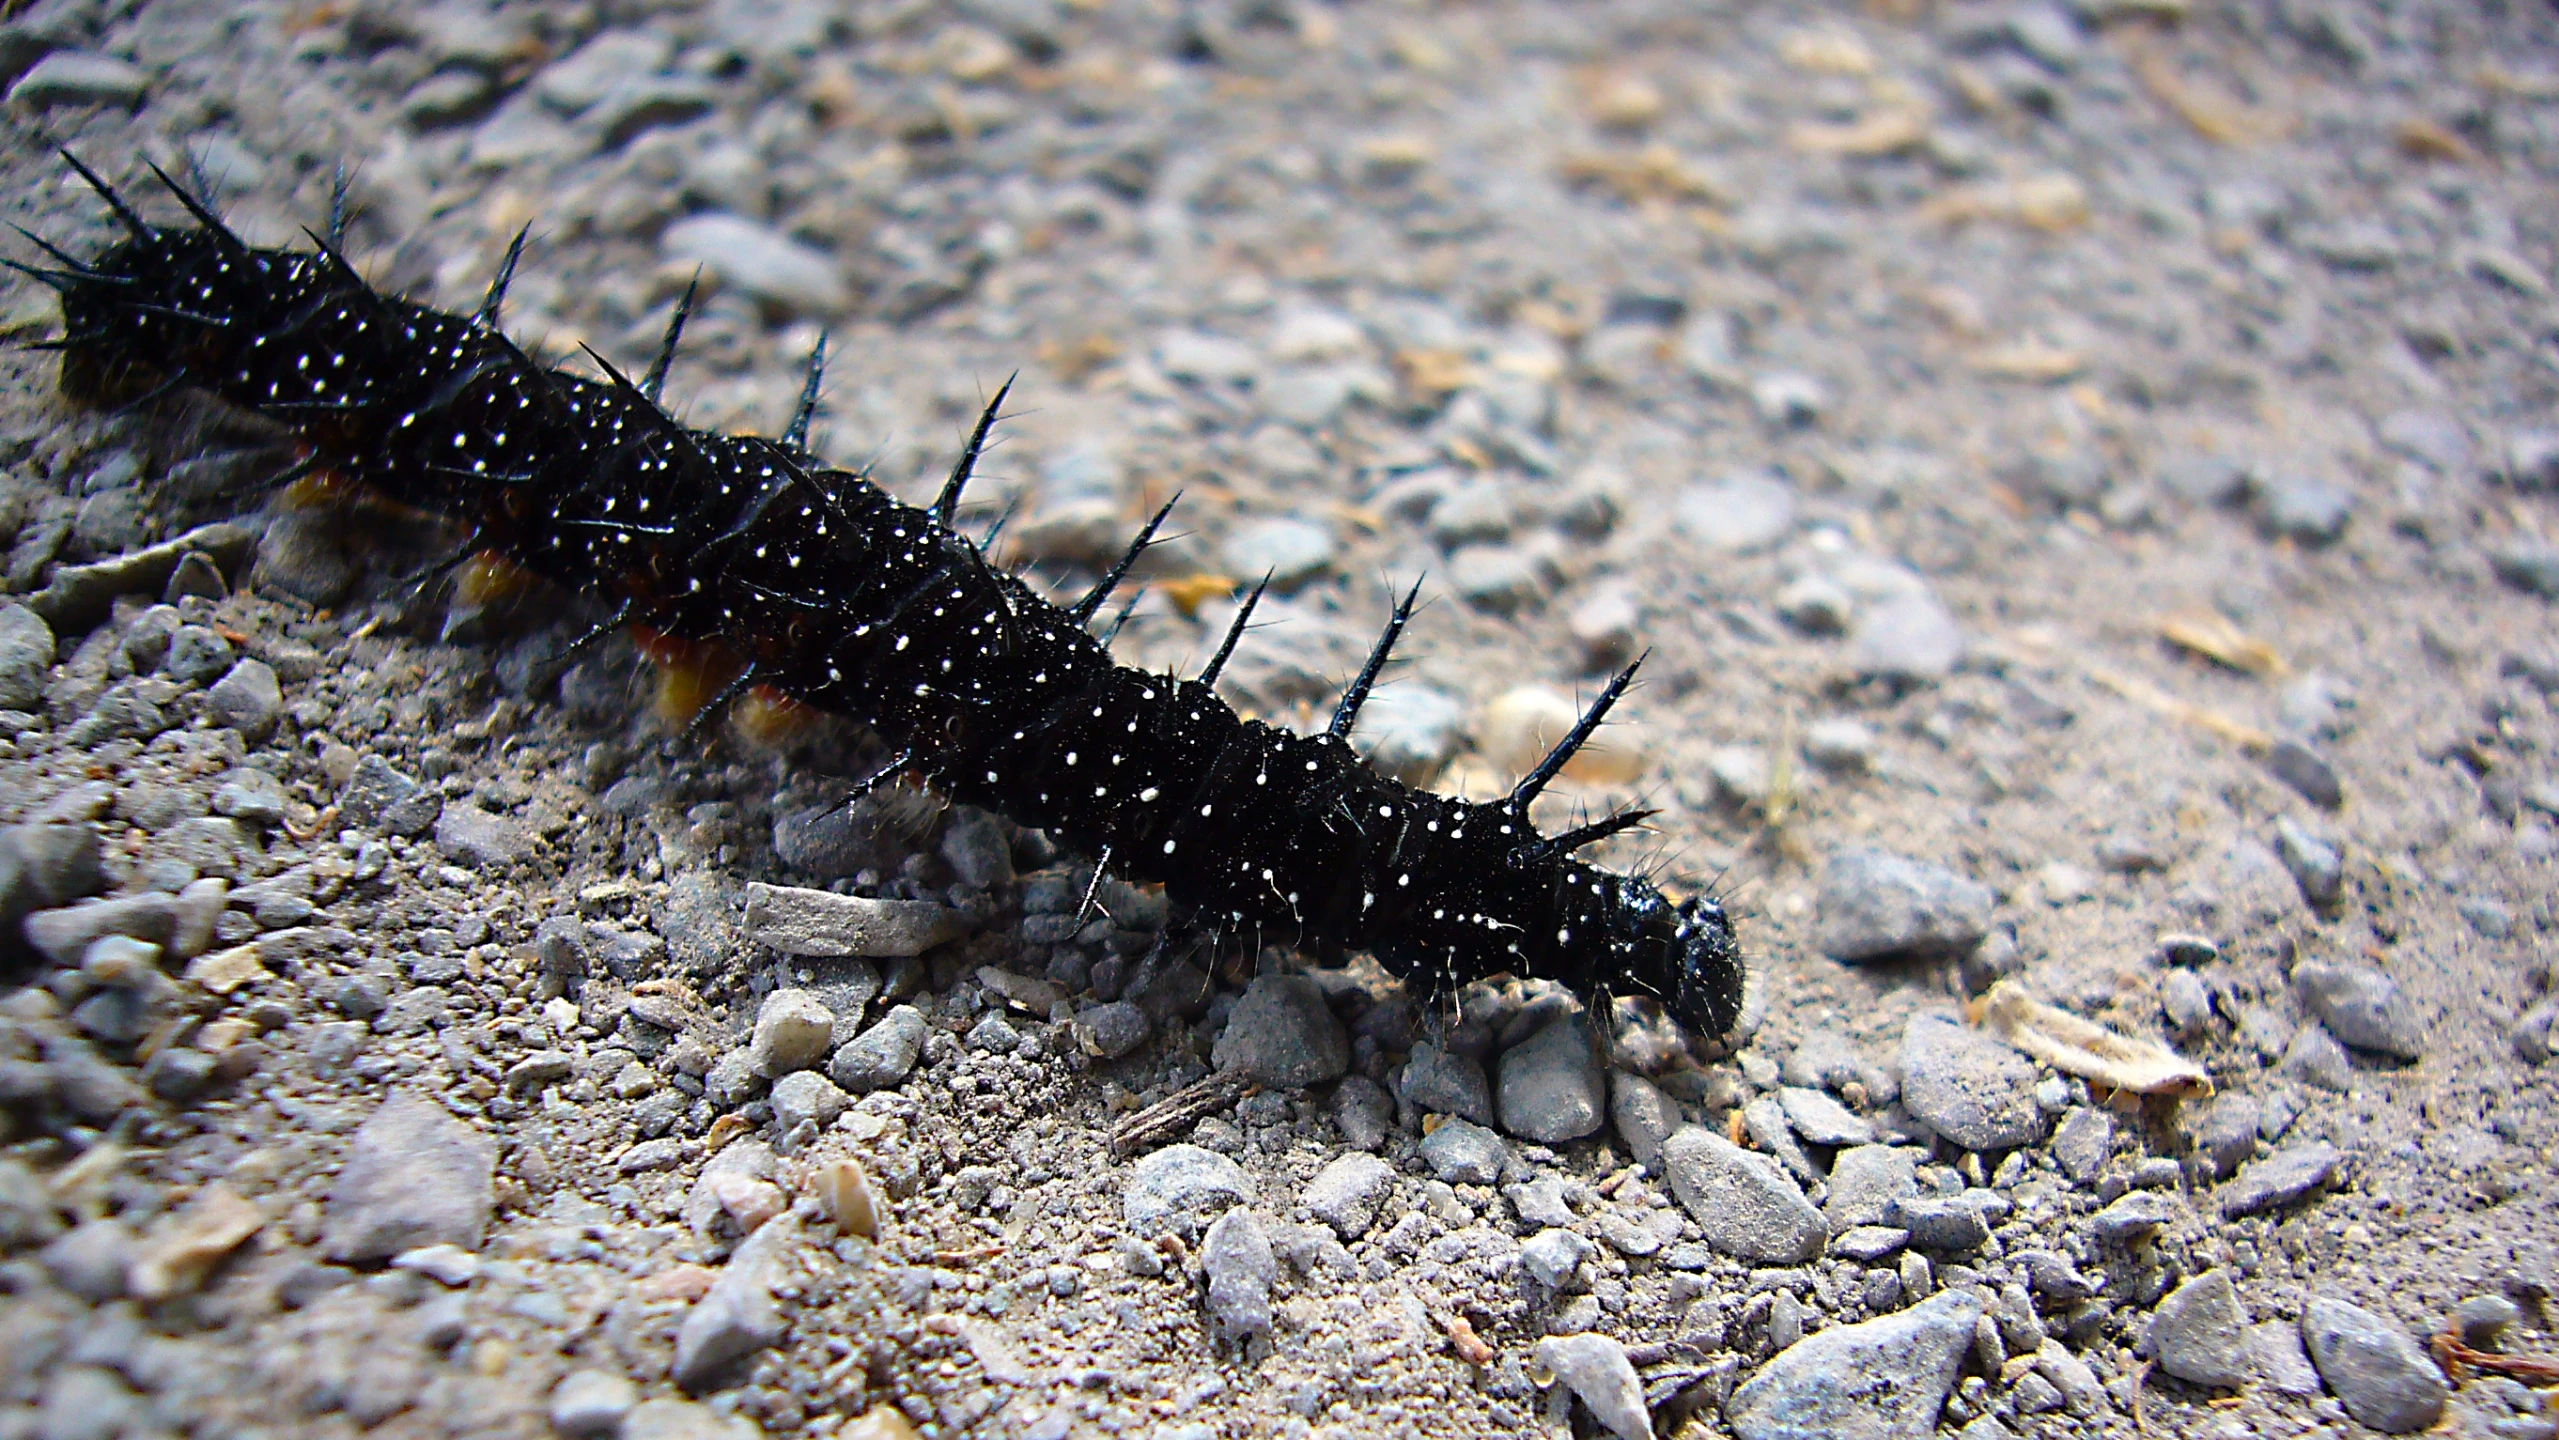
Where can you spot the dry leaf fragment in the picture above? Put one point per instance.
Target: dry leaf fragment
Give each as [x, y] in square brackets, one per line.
[2086, 1049]
[1827, 52]
[2216, 638]
[1885, 132]
[2151, 697]
[177, 1260]
[2030, 360]
[2052, 203]
[2426, 140]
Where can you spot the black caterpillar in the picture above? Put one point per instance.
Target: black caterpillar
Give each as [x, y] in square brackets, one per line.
[826, 590]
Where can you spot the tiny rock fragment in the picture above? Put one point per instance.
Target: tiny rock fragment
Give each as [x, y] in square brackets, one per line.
[2090, 1051]
[846, 1192]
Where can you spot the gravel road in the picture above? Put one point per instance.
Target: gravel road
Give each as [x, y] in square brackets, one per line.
[2084, 474]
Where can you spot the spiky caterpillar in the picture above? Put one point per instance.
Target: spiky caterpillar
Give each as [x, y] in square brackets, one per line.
[828, 591]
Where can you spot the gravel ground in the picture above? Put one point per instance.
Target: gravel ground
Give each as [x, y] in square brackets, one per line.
[2084, 475]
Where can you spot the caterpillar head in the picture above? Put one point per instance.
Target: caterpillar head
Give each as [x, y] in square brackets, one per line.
[1705, 993]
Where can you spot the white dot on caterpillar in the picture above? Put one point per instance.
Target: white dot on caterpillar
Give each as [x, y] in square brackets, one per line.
[1070, 757]
[1148, 794]
[1168, 847]
[1563, 937]
[1403, 881]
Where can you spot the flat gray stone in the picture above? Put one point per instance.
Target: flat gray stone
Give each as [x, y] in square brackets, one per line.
[413, 1176]
[1882, 1379]
[1291, 551]
[76, 77]
[806, 1096]
[469, 835]
[1875, 905]
[1967, 1087]
[2083, 1141]
[1908, 638]
[1553, 1256]
[2280, 1363]
[1745, 511]
[798, 921]
[1552, 1088]
[1747, 1206]
[1865, 1180]
[1822, 1120]
[1464, 1153]
[1945, 1223]
[2362, 1007]
[784, 275]
[1283, 1033]
[2380, 1375]
[2280, 1178]
[1346, 1194]
[2199, 1333]
[590, 1403]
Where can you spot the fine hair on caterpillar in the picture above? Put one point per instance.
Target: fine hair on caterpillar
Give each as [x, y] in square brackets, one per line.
[811, 584]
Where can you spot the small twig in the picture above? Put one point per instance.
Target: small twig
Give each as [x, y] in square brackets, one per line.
[2458, 1360]
[1179, 1111]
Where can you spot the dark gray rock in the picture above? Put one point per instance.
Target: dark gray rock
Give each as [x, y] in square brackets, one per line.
[1968, 1088]
[1865, 1181]
[2528, 566]
[91, 1259]
[1283, 1033]
[2133, 1215]
[2200, 1333]
[1179, 1189]
[1883, 1379]
[1240, 1269]
[26, 656]
[2307, 772]
[198, 653]
[1440, 1081]
[1945, 1223]
[1746, 1205]
[1362, 1111]
[468, 835]
[413, 1176]
[975, 844]
[378, 797]
[2315, 864]
[738, 1316]
[1108, 1032]
[2083, 1141]
[1552, 1087]
[2226, 1133]
[2361, 1007]
[2315, 1058]
[1875, 905]
[2301, 508]
[2380, 1375]
[2280, 1178]
[883, 1055]
[1464, 1153]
